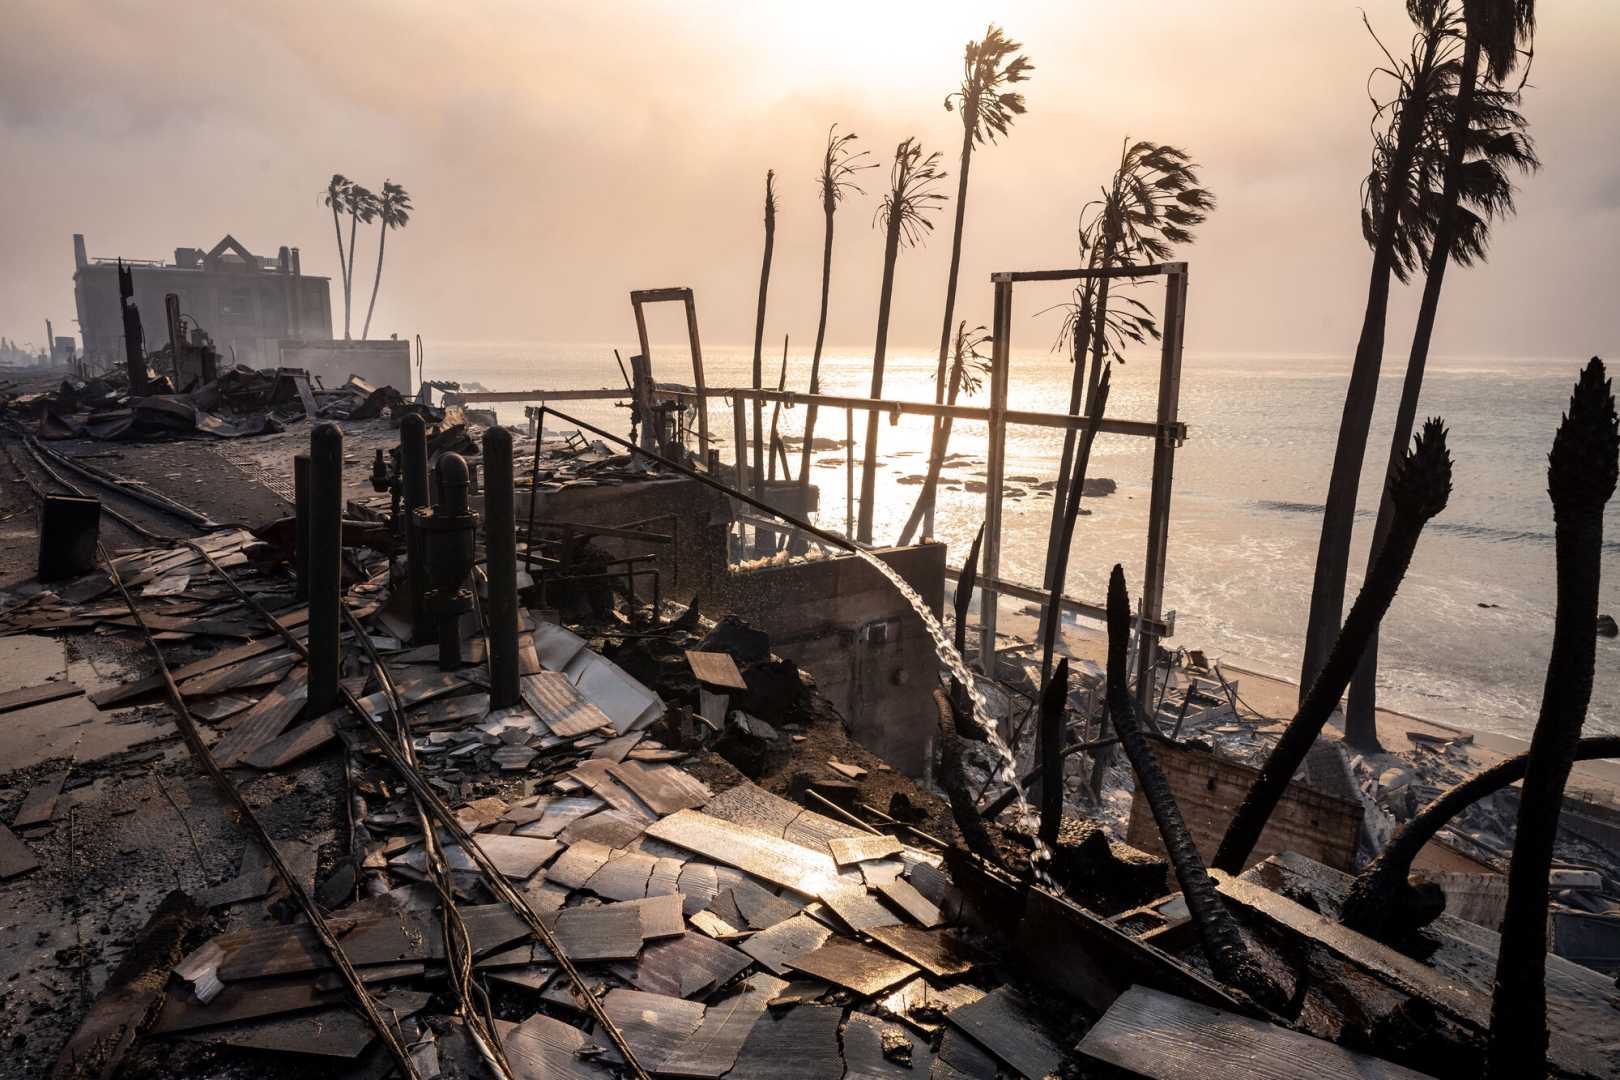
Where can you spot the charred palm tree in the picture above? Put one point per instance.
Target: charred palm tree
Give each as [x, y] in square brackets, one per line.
[394, 209]
[987, 109]
[1152, 203]
[839, 164]
[904, 218]
[969, 366]
[1484, 141]
[1391, 211]
[1418, 488]
[759, 331]
[1228, 957]
[1581, 472]
[336, 199]
[1382, 902]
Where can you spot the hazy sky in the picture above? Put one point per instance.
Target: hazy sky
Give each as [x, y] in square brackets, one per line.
[562, 154]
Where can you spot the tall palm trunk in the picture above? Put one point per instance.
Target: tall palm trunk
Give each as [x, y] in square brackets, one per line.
[1377, 904]
[1420, 488]
[1580, 478]
[941, 429]
[759, 338]
[1338, 515]
[891, 253]
[1082, 392]
[348, 273]
[376, 282]
[343, 266]
[1361, 711]
[815, 357]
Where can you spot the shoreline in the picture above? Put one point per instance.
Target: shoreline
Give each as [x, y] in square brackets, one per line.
[1275, 696]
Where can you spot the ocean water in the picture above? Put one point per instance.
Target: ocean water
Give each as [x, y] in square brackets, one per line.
[1467, 638]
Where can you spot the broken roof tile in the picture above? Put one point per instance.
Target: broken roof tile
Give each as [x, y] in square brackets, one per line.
[854, 966]
[856, 849]
[683, 966]
[800, 1044]
[785, 942]
[711, 1051]
[1001, 1023]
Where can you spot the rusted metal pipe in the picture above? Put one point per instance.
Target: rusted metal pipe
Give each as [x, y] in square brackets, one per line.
[325, 564]
[301, 524]
[500, 547]
[413, 462]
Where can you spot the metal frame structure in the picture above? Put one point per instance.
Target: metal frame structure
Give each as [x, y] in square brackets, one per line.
[682, 293]
[1166, 430]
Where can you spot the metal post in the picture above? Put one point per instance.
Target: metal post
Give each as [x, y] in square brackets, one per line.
[301, 524]
[849, 473]
[995, 465]
[739, 424]
[325, 564]
[413, 463]
[641, 376]
[697, 369]
[1164, 462]
[500, 547]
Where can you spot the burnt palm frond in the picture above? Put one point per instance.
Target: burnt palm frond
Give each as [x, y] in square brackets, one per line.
[971, 362]
[1495, 145]
[1154, 202]
[911, 197]
[361, 203]
[1505, 31]
[839, 164]
[987, 107]
[393, 206]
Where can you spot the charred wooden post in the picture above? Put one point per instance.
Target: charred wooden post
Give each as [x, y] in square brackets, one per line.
[134, 340]
[1217, 931]
[759, 333]
[1382, 902]
[696, 344]
[1054, 700]
[446, 534]
[641, 389]
[301, 524]
[413, 463]
[1419, 488]
[1581, 475]
[500, 546]
[975, 834]
[325, 564]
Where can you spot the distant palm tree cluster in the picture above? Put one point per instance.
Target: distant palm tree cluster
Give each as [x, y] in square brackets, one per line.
[391, 210]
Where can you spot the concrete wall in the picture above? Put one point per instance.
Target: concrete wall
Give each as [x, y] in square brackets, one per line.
[380, 363]
[1208, 788]
[837, 618]
[871, 655]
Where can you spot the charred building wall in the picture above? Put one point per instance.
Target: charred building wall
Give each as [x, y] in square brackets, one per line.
[245, 302]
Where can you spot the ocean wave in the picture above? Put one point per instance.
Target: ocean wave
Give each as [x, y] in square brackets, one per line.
[1490, 534]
